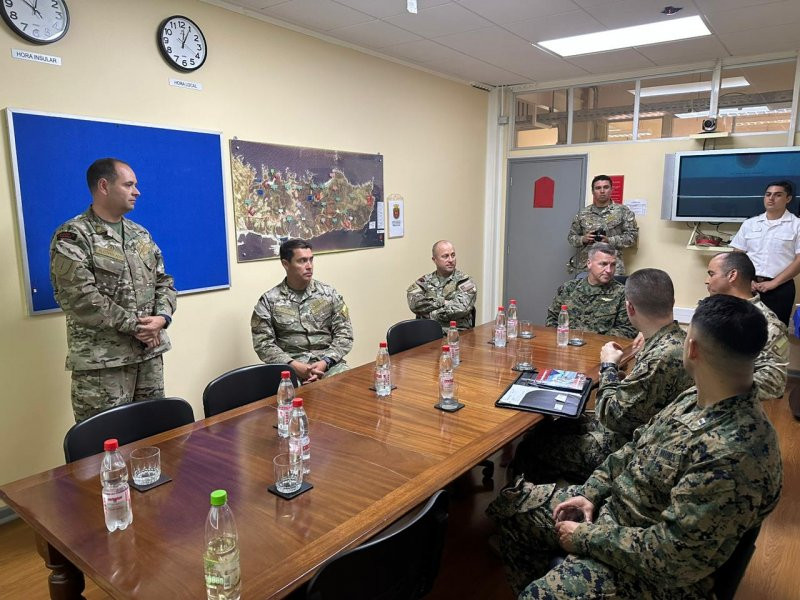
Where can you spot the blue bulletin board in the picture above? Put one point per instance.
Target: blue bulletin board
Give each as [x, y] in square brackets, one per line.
[179, 172]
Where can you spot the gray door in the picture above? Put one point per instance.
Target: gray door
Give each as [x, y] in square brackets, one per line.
[536, 238]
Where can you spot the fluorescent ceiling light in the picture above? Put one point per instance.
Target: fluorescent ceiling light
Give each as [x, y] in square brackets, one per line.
[667, 30]
[689, 88]
[732, 112]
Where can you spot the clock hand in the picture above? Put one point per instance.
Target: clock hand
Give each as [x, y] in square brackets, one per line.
[36, 12]
[32, 6]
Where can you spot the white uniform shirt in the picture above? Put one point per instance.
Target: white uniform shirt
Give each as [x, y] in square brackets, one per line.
[771, 245]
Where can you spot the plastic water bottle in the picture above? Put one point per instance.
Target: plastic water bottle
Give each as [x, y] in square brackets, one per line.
[512, 319]
[285, 396]
[500, 328]
[446, 377]
[452, 341]
[221, 557]
[562, 333]
[116, 492]
[299, 442]
[383, 372]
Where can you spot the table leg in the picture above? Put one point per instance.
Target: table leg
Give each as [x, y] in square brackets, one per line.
[66, 580]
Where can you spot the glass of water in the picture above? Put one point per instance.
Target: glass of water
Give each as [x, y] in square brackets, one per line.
[288, 472]
[525, 330]
[146, 465]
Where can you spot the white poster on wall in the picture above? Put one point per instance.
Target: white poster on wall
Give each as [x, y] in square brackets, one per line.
[396, 215]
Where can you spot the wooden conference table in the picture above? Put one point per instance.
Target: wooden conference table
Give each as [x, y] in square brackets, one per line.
[371, 462]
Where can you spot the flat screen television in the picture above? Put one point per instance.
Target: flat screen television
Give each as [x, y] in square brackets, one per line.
[725, 185]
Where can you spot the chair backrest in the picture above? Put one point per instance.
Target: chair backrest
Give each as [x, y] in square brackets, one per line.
[127, 423]
[729, 575]
[243, 386]
[412, 333]
[401, 565]
[621, 278]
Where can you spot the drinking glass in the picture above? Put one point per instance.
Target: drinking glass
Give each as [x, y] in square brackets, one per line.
[146, 465]
[288, 472]
[525, 330]
[524, 358]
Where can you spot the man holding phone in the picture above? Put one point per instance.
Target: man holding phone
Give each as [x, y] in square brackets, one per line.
[601, 221]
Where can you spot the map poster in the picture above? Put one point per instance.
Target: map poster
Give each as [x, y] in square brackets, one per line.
[332, 199]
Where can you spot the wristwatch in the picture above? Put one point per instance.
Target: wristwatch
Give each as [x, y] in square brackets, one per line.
[167, 318]
[329, 361]
[608, 365]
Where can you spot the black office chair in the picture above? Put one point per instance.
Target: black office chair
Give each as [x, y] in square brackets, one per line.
[399, 564]
[728, 576]
[243, 386]
[127, 423]
[621, 278]
[412, 333]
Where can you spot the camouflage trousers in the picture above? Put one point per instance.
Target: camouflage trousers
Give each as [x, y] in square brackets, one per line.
[528, 542]
[569, 449]
[339, 367]
[98, 389]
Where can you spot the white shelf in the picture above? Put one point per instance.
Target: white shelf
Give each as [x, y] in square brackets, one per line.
[694, 247]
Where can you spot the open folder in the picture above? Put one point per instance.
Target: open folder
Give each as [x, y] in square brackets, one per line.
[528, 394]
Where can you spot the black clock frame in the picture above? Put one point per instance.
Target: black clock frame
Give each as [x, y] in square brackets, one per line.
[31, 39]
[166, 56]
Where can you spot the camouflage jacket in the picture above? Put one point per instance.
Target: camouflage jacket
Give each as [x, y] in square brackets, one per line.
[306, 326]
[103, 284]
[621, 229]
[672, 504]
[444, 300]
[598, 308]
[657, 378]
[771, 363]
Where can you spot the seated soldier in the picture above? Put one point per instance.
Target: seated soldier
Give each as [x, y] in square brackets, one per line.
[596, 302]
[301, 321]
[572, 448]
[732, 273]
[445, 295]
[666, 510]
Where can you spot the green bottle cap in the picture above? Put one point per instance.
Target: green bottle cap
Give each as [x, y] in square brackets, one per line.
[219, 497]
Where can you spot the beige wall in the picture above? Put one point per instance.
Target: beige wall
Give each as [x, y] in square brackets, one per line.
[261, 83]
[662, 244]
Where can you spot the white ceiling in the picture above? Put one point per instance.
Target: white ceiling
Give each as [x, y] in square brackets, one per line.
[489, 41]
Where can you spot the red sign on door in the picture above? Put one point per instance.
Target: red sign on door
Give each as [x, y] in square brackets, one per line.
[617, 186]
[543, 191]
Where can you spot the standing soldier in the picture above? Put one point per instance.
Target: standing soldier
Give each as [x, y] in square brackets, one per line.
[109, 279]
[302, 322]
[445, 295]
[601, 221]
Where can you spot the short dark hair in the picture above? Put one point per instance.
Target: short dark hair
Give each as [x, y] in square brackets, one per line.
[787, 186]
[735, 327]
[103, 168]
[741, 263]
[597, 178]
[651, 292]
[288, 247]
[601, 247]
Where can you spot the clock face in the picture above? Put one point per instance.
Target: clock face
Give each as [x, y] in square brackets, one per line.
[182, 43]
[37, 21]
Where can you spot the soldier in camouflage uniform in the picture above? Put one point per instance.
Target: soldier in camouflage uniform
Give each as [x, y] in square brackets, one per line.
[601, 221]
[596, 302]
[445, 295]
[572, 448]
[109, 279]
[661, 514]
[732, 273]
[302, 322]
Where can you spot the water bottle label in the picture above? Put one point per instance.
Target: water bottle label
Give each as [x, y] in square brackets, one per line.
[284, 413]
[500, 336]
[454, 352]
[112, 501]
[446, 384]
[306, 444]
[382, 379]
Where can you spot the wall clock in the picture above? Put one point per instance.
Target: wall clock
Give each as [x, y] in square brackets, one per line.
[36, 21]
[181, 42]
